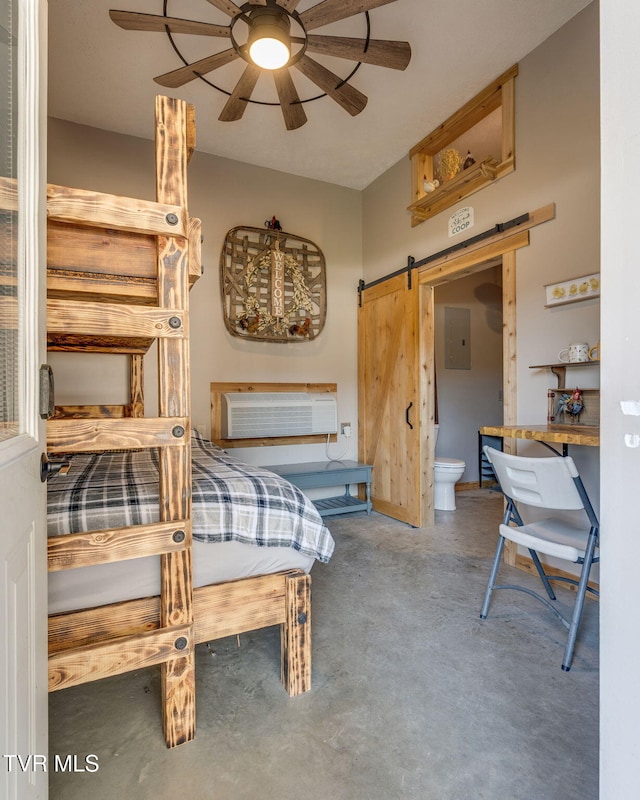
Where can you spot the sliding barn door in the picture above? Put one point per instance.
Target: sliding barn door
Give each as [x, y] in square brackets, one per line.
[388, 400]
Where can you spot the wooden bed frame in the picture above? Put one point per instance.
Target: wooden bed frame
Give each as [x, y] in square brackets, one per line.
[118, 275]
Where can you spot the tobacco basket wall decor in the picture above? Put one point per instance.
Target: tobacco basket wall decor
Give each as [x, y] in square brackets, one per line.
[273, 285]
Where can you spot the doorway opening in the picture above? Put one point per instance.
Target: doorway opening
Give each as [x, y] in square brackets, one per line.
[465, 265]
[468, 325]
[468, 364]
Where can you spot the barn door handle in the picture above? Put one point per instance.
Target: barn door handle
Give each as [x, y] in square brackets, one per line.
[409, 407]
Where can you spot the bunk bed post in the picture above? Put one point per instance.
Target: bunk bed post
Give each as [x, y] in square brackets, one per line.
[173, 139]
[136, 386]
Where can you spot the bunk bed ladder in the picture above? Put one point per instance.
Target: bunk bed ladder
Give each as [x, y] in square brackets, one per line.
[128, 328]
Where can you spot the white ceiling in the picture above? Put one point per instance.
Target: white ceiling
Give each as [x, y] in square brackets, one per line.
[102, 75]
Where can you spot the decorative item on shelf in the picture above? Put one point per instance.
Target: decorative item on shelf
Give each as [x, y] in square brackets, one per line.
[273, 284]
[571, 404]
[469, 160]
[430, 186]
[576, 353]
[449, 163]
[584, 288]
[463, 126]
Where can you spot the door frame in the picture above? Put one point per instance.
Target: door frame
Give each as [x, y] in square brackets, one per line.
[429, 277]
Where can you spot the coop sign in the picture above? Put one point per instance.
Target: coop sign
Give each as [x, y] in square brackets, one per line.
[461, 220]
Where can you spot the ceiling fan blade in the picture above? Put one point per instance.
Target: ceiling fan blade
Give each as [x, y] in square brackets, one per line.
[178, 77]
[136, 21]
[334, 10]
[289, 5]
[380, 52]
[227, 6]
[235, 106]
[346, 95]
[292, 110]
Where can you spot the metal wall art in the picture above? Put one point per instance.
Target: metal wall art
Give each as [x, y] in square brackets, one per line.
[273, 285]
[584, 288]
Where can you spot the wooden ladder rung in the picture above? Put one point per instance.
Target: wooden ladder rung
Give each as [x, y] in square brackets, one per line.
[117, 544]
[89, 208]
[115, 656]
[114, 319]
[86, 435]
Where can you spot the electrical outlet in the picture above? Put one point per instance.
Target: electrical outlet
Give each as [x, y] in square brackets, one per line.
[345, 429]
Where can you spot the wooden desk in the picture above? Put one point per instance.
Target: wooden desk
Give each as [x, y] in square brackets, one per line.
[565, 435]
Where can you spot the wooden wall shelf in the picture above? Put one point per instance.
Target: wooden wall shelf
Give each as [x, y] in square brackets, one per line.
[498, 95]
[465, 183]
[560, 369]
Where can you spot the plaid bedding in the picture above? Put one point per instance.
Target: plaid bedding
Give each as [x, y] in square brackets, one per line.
[231, 500]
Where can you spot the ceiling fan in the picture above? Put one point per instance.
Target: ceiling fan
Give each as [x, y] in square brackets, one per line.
[272, 35]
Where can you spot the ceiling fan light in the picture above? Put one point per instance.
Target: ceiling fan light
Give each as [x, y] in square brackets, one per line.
[269, 53]
[269, 39]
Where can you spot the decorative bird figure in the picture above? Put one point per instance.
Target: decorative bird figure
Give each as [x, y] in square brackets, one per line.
[273, 224]
[301, 330]
[572, 404]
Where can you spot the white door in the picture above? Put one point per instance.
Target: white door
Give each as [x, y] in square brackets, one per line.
[23, 576]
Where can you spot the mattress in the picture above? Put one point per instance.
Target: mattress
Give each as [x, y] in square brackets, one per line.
[246, 521]
[88, 587]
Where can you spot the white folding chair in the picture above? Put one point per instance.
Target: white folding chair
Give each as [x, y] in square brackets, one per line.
[553, 484]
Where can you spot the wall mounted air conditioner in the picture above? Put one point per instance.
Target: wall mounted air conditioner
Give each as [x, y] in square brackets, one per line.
[267, 414]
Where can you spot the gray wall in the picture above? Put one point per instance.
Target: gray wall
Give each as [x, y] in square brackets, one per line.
[225, 194]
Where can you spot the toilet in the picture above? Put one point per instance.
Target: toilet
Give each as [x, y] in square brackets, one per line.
[447, 472]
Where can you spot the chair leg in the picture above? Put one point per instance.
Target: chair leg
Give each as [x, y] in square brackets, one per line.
[579, 604]
[492, 578]
[542, 574]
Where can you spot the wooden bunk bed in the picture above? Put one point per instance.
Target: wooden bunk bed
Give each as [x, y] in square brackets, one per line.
[118, 275]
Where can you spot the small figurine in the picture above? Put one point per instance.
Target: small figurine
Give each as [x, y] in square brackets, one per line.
[572, 404]
[300, 330]
[249, 325]
[273, 224]
[469, 160]
[430, 186]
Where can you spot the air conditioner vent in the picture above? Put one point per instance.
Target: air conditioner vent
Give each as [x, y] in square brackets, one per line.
[272, 414]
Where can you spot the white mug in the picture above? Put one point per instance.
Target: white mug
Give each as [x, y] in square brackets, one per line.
[575, 353]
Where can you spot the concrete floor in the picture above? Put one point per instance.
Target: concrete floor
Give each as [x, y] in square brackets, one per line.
[413, 695]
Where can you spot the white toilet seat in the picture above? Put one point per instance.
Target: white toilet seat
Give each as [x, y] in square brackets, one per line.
[452, 464]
